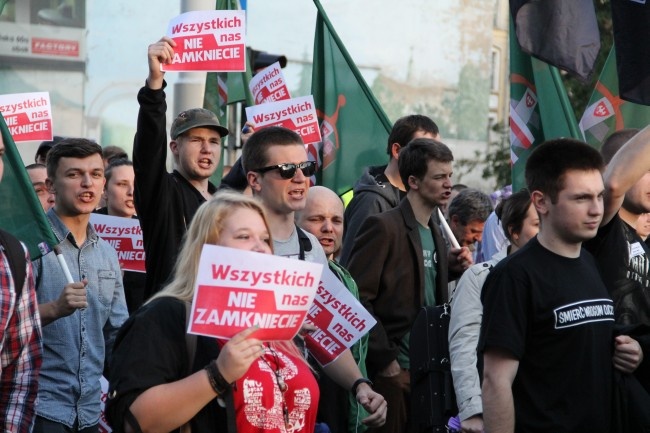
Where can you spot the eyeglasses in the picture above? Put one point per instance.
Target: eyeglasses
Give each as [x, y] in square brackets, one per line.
[288, 170]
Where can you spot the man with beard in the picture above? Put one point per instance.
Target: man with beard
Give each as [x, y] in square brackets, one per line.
[166, 202]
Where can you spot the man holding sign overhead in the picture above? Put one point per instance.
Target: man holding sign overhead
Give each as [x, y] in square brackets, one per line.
[400, 262]
[166, 202]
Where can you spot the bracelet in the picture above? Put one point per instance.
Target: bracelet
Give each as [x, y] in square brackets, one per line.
[358, 382]
[217, 381]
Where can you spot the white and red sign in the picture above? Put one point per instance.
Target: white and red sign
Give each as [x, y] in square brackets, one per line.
[297, 114]
[269, 85]
[28, 115]
[125, 235]
[208, 41]
[340, 318]
[103, 424]
[238, 289]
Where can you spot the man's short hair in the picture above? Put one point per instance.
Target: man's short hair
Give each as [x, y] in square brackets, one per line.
[70, 148]
[109, 153]
[35, 166]
[414, 158]
[115, 163]
[45, 147]
[548, 163]
[615, 141]
[458, 187]
[254, 152]
[405, 127]
[470, 205]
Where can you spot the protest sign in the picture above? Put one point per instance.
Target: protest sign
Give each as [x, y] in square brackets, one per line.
[269, 85]
[28, 115]
[297, 114]
[125, 235]
[208, 41]
[340, 318]
[237, 289]
[103, 424]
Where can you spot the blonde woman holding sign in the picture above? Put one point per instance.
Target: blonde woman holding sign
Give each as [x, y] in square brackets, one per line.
[161, 380]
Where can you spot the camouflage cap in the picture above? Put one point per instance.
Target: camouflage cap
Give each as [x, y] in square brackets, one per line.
[195, 118]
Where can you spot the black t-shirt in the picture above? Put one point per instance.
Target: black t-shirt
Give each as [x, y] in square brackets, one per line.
[623, 260]
[554, 315]
[151, 350]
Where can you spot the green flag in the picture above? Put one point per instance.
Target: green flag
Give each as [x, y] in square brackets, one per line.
[539, 108]
[22, 214]
[354, 127]
[606, 112]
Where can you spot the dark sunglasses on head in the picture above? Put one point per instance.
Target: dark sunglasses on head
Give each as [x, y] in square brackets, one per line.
[288, 170]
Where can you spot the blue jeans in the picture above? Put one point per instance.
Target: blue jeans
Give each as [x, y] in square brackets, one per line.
[44, 425]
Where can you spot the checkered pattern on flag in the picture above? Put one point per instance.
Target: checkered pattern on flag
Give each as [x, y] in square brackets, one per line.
[606, 112]
[539, 109]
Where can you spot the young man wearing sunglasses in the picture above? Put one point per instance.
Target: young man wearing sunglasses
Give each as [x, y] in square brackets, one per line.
[166, 202]
[277, 169]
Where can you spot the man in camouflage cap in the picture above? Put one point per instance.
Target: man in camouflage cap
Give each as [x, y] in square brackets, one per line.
[166, 202]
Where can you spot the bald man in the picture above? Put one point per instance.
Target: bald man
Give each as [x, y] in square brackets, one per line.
[323, 218]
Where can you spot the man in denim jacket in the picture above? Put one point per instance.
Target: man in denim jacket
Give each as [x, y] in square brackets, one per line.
[80, 319]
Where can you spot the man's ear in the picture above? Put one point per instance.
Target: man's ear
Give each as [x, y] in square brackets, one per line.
[173, 146]
[541, 202]
[454, 220]
[413, 182]
[254, 181]
[394, 150]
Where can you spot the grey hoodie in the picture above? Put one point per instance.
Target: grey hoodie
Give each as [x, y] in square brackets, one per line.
[373, 194]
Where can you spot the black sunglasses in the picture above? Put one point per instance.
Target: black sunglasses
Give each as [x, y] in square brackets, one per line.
[288, 170]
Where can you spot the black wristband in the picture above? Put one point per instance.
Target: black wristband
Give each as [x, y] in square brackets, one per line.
[217, 382]
[358, 382]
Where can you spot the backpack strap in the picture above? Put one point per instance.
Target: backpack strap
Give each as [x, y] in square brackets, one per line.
[304, 242]
[17, 262]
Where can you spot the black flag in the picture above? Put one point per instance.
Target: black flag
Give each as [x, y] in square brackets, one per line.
[632, 40]
[563, 33]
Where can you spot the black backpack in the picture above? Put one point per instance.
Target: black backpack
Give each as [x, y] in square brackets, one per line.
[16, 256]
[433, 400]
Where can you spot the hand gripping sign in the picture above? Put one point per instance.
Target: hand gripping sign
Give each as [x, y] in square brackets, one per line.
[208, 41]
[28, 115]
[237, 289]
[269, 85]
[125, 235]
[340, 318]
[297, 114]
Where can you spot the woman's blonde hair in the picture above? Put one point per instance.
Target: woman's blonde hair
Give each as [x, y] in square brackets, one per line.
[205, 228]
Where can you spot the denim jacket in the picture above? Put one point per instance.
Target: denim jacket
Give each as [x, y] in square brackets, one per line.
[76, 346]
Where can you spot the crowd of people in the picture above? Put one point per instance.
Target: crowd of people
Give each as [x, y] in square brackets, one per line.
[549, 292]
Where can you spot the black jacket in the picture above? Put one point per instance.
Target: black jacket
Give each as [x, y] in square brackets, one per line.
[165, 202]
